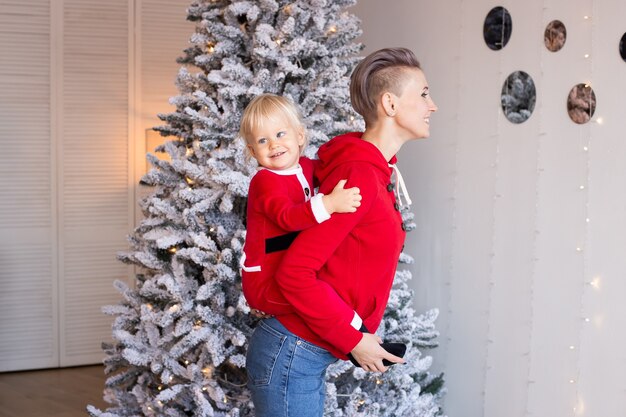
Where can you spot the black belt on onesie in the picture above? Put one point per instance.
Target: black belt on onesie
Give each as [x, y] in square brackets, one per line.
[278, 243]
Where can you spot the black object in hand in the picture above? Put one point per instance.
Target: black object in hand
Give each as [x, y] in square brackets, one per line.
[396, 349]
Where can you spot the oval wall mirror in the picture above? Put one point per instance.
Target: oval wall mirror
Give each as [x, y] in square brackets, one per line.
[581, 103]
[497, 28]
[622, 47]
[518, 97]
[555, 35]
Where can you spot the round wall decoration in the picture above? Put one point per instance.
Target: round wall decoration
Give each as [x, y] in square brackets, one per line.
[518, 97]
[497, 28]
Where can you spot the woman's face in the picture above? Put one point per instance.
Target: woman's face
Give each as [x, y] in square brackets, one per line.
[414, 106]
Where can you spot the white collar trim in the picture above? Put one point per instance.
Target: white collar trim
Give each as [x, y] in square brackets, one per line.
[292, 171]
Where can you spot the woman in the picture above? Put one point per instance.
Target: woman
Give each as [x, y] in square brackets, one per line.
[337, 275]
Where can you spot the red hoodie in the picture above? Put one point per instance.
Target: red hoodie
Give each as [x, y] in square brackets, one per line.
[346, 264]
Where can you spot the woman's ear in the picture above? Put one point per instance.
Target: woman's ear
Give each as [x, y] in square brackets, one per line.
[388, 101]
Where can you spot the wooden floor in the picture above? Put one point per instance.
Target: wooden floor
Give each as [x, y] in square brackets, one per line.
[52, 392]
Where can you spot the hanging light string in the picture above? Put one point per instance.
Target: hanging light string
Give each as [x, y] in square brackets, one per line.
[455, 177]
[542, 134]
[585, 141]
[495, 167]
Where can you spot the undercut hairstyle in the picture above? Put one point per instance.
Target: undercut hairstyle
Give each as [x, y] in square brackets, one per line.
[265, 106]
[379, 72]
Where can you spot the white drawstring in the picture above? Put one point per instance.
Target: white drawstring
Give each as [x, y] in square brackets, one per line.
[401, 187]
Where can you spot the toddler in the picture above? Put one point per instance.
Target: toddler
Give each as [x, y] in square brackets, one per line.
[280, 197]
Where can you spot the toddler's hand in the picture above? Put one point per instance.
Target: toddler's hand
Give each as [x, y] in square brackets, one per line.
[342, 200]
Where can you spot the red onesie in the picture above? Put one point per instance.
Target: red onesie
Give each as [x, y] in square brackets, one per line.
[280, 204]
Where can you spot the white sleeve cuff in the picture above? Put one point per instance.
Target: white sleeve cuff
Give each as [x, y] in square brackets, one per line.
[319, 211]
[356, 322]
[248, 268]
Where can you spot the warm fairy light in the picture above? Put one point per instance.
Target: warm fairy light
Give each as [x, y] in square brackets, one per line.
[160, 387]
[572, 347]
[333, 29]
[149, 306]
[186, 362]
[207, 372]
[579, 249]
[587, 219]
[580, 408]
[582, 187]
[204, 388]
[278, 41]
[212, 229]
[361, 402]
[585, 148]
[378, 382]
[586, 17]
[587, 85]
[210, 47]
[599, 120]
[174, 308]
[172, 249]
[189, 152]
[571, 381]
[587, 319]
[595, 283]
[225, 400]
[189, 181]
[160, 403]
[171, 378]
[287, 9]
[586, 56]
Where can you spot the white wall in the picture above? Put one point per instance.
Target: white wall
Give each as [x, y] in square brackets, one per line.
[520, 236]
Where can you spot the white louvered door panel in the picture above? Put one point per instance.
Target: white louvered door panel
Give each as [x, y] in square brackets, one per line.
[94, 181]
[28, 281]
[164, 33]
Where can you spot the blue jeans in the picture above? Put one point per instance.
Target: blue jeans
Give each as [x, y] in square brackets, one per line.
[286, 374]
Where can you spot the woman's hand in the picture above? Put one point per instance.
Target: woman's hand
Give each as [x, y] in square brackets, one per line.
[369, 354]
[260, 314]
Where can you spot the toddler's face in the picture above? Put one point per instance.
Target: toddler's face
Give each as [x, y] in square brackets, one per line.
[276, 144]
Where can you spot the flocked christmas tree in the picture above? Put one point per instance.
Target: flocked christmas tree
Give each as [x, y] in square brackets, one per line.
[180, 333]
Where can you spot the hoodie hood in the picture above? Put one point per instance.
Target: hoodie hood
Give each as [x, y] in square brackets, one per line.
[349, 148]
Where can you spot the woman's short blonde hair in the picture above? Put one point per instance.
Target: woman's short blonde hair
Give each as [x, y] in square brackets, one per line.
[263, 107]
